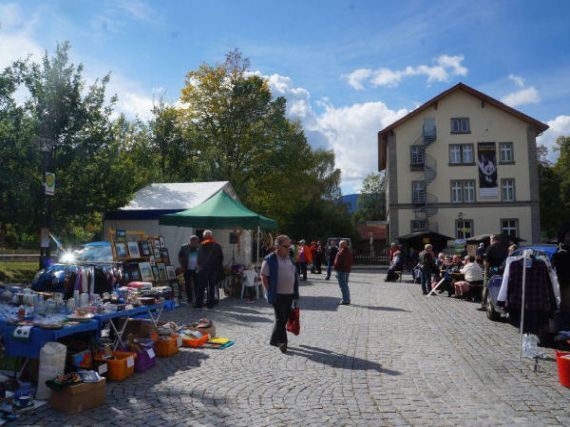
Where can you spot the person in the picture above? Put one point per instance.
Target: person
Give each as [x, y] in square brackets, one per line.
[427, 266]
[481, 250]
[343, 266]
[188, 260]
[332, 251]
[496, 254]
[396, 265]
[313, 250]
[473, 272]
[392, 251]
[281, 282]
[210, 267]
[303, 258]
[318, 258]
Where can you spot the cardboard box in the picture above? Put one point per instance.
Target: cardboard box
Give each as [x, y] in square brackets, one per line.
[79, 397]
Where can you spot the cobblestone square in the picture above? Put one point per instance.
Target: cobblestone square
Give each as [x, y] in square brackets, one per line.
[394, 357]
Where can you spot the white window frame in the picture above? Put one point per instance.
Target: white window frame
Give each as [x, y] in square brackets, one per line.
[419, 188]
[506, 152]
[456, 192]
[460, 125]
[455, 157]
[512, 225]
[462, 191]
[415, 225]
[508, 193]
[463, 157]
[469, 191]
[417, 152]
[459, 233]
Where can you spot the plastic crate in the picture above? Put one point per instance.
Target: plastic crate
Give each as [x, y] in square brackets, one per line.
[121, 366]
[166, 347]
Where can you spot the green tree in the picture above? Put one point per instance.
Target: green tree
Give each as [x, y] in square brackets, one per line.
[372, 201]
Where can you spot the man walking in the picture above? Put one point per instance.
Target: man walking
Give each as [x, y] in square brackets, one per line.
[210, 267]
[427, 266]
[343, 266]
[333, 250]
[188, 260]
[280, 279]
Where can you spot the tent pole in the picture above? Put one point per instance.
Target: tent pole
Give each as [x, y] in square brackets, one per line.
[523, 304]
[258, 238]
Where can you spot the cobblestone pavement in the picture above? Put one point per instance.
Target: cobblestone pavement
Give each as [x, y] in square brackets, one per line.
[394, 357]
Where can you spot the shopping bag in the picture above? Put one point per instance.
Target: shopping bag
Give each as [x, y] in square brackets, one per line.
[294, 321]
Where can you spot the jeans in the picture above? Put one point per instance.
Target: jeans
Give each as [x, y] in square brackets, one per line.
[342, 278]
[426, 282]
[282, 307]
[329, 270]
[206, 280]
[190, 281]
[303, 270]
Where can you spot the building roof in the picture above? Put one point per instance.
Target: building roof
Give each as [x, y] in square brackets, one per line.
[538, 125]
[378, 229]
[176, 195]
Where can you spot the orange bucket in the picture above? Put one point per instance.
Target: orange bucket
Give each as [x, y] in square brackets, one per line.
[563, 367]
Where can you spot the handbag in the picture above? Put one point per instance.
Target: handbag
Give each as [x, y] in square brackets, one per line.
[294, 321]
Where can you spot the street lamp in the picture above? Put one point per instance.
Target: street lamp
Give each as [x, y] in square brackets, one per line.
[46, 145]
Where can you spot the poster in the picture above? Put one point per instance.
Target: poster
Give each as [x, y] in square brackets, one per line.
[487, 162]
[49, 185]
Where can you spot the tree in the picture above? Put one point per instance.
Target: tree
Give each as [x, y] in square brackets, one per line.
[372, 201]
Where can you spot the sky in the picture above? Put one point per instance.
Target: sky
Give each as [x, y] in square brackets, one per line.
[346, 68]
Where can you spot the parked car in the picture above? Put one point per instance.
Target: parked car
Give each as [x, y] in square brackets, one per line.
[57, 277]
[494, 311]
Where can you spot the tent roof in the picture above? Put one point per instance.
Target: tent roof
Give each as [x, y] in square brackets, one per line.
[419, 234]
[176, 195]
[220, 211]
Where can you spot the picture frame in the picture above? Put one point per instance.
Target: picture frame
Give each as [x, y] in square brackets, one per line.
[156, 245]
[164, 256]
[161, 271]
[170, 272]
[146, 272]
[134, 251]
[131, 272]
[162, 242]
[155, 273]
[120, 251]
[144, 248]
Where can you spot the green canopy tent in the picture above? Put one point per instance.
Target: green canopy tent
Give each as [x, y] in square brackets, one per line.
[220, 211]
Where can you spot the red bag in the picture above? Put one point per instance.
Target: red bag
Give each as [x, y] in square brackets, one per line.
[294, 321]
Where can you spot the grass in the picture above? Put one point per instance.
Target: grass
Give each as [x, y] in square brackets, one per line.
[17, 271]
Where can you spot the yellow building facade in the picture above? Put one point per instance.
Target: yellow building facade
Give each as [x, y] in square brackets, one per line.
[462, 164]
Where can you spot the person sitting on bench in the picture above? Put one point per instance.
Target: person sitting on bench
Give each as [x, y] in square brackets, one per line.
[395, 269]
[473, 274]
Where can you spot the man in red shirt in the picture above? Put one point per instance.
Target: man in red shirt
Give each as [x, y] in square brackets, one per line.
[343, 266]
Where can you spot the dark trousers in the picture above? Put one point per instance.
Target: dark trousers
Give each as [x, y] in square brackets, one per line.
[207, 280]
[282, 307]
[302, 270]
[191, 283]
[426, 282]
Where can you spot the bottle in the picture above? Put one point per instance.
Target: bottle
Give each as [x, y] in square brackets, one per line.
[21, 313]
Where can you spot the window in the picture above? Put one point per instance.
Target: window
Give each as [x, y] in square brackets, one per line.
[463, 191]
[508, 190]
[461, 154]
[460, 125]
[506, 152]
[463, 228]
[510, 227]
[418, 192]
[418, 225]
[417, 156]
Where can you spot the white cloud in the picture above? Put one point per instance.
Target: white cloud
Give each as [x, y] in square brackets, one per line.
[444, 67]
[522, 97]
[356, 78]
[560, 126]
[16, 36]
[519, 81]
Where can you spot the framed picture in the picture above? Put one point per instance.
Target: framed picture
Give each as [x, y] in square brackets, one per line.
[162, 242]
[134, 251]
[161, 271]
[131, 272]
[164, 256]
[146, 272]
[155, 273]
[156, 245]
[170, 272]
[144, 248]
[151, 259]
[120, 250]
[121, 235]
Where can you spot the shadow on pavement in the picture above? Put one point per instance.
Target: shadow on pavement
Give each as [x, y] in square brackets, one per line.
[319, 303]
[380, 308]
[337, 360]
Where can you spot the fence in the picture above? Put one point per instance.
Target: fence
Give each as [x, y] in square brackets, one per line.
[369, 260]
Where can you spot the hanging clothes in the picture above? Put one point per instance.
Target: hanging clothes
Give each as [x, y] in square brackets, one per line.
[539, 289]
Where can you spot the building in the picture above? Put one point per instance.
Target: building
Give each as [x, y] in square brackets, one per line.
[142, 215]
[462, 164]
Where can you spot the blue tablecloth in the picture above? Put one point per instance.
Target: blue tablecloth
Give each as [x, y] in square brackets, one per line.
[38, 337]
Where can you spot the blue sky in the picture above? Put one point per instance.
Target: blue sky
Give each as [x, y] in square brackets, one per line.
[347, 68]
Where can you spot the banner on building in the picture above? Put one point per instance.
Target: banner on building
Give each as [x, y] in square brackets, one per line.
[487, 162]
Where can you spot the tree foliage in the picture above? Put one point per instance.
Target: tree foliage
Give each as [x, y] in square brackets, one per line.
[372, 201]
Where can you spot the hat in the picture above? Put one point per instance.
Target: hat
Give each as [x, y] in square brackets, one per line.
[302, 241]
